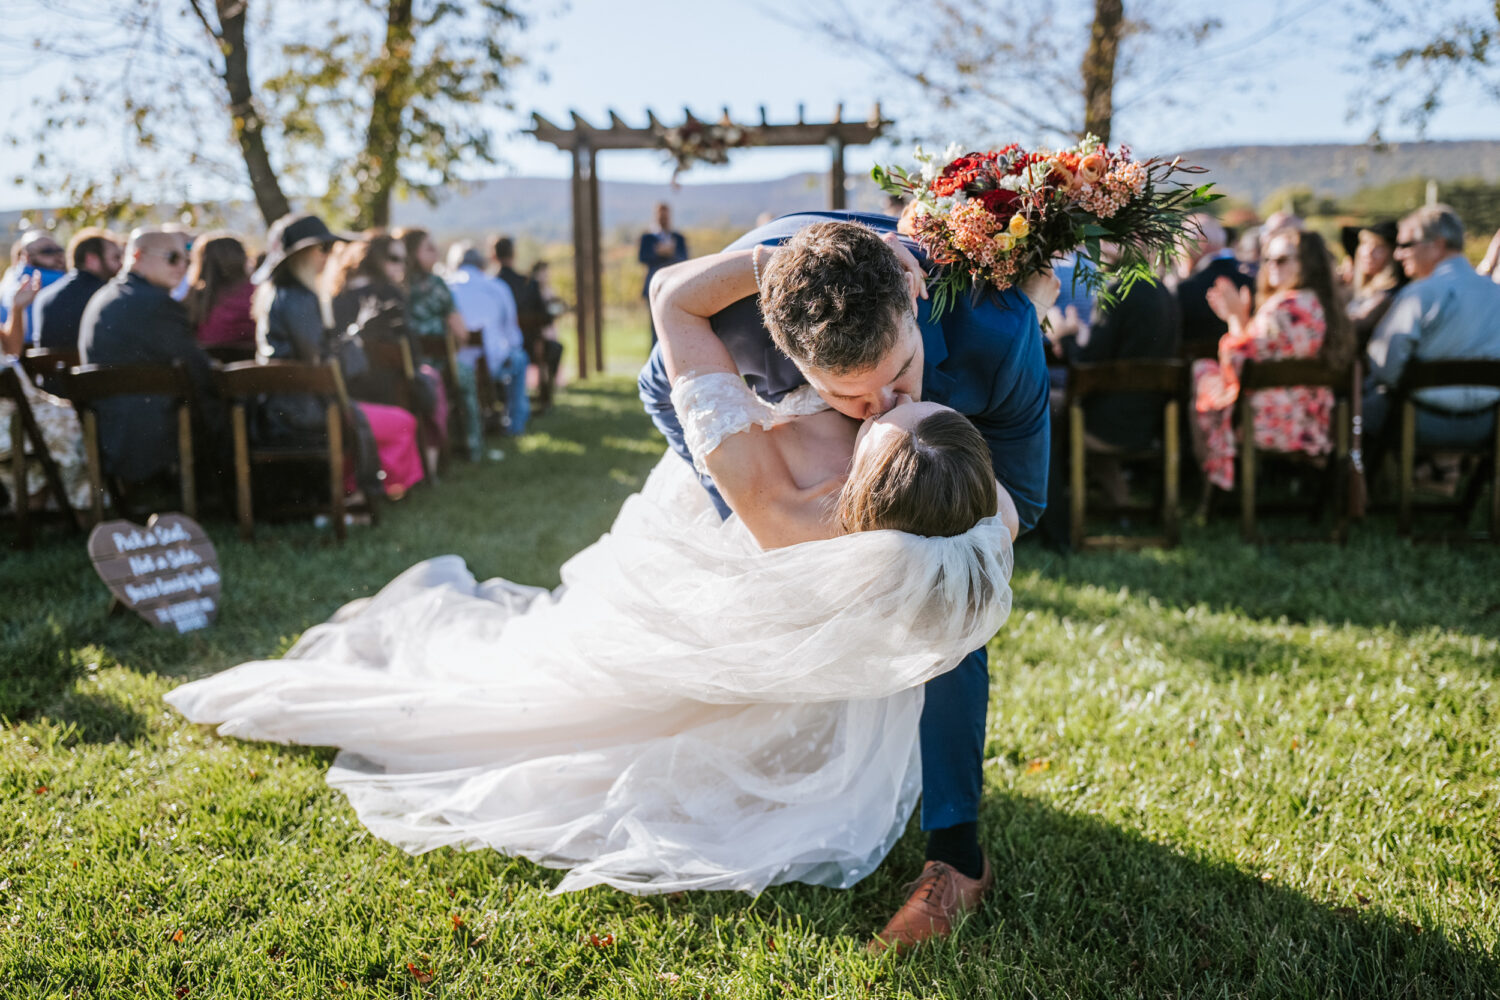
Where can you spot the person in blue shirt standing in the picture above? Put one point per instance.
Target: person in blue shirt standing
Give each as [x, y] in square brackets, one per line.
[984, 358]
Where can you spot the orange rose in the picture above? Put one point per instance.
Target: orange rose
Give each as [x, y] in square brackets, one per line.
[1091, 168]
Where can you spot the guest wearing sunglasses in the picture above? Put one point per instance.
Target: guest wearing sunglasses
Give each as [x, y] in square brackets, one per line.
[1448, 312]
[133, 320]
[37, 261]
[1300, 317]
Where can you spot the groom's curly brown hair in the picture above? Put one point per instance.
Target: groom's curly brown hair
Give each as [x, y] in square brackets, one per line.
[833, 297]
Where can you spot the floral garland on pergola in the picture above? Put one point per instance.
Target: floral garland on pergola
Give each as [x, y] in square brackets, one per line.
[695, 142]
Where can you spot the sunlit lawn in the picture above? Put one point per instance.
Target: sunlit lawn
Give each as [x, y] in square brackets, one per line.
[1214, 771]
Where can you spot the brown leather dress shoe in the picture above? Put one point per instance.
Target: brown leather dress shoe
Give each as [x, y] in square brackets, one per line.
[937, 898]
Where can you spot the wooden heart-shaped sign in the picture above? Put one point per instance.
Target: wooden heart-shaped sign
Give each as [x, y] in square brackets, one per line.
[167, 572]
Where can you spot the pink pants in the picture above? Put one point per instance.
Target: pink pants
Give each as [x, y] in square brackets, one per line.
[395, 433]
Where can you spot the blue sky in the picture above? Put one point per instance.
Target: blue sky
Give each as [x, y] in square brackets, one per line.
[667, 54]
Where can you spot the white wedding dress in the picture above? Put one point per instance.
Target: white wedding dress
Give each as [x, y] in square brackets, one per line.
[686, 711]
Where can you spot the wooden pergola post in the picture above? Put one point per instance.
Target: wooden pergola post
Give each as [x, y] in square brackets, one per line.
[582, 272]
[596, 263]
[585, 142]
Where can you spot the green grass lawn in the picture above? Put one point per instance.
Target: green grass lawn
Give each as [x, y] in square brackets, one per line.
[1216, 771]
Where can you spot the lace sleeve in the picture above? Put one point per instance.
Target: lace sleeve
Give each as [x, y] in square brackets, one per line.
[714, 406]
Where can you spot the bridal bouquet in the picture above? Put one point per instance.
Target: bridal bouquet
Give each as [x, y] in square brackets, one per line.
[998, 217]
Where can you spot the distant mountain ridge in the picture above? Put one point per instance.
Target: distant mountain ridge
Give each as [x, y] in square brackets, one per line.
[1253, 172]
[539, 208]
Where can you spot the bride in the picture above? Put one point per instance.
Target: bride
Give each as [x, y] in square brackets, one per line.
[702, 704]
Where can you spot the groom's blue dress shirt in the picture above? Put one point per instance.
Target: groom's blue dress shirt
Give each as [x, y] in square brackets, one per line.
[984, 359]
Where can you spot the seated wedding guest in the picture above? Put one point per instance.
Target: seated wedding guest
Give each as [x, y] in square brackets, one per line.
[486, 305]
[1278, 222]
[61, 432]
[93, 259]
[39, 259]
[1247, 252]
[1073, 292]
[366, 284]
[550, 347]
[133, 320]
[1206, 258]
[1300, 316]
[219, 292]
[1490, 265]
[294, 320]
[430, 312]
[1376, 276]
[1142, 324]
[1448, 312]
[531, 315]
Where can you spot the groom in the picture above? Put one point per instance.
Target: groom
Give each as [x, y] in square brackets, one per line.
[985, 360]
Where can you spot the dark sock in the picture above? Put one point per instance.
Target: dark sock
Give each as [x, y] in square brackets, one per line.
[957, 846]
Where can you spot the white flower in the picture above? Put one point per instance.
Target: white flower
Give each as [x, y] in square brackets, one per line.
[1036, 174]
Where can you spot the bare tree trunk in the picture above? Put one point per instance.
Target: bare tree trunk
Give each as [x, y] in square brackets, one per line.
[382, 152]
[246, 120]
[1099, 67]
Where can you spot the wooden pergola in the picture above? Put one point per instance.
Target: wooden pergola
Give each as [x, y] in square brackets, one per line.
[585, 142]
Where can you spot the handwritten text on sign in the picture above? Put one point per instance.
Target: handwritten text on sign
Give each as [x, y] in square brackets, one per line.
[167, 572]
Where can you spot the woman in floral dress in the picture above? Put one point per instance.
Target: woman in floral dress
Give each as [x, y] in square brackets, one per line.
[1299, 317]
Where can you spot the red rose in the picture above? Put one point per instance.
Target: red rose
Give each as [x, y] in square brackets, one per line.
[998, 201]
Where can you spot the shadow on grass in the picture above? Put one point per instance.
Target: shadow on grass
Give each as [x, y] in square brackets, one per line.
[1377, 580]
[96, 717]
[1081, 907]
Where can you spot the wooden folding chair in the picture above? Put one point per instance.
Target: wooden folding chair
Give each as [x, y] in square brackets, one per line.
[25, 431]
[1284, 374]
[1200, 349]
[49, 369]
[490, 404]
[1158, 377]
[88, 385]
[442, 351]
[241, 385]
[395, 356]
[1431, 375]
[228, 354]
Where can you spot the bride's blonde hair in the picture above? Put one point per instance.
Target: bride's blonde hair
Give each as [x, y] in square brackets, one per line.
[937, 480]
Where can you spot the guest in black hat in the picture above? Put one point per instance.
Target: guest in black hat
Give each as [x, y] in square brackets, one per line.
[294, 321]
[1376, 278]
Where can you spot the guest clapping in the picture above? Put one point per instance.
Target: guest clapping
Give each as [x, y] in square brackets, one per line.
[1300, 317]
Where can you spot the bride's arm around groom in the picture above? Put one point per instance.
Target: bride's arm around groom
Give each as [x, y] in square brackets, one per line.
[984, 358]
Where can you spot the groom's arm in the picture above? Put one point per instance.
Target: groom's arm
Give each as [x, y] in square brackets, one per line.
[1012, 414]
